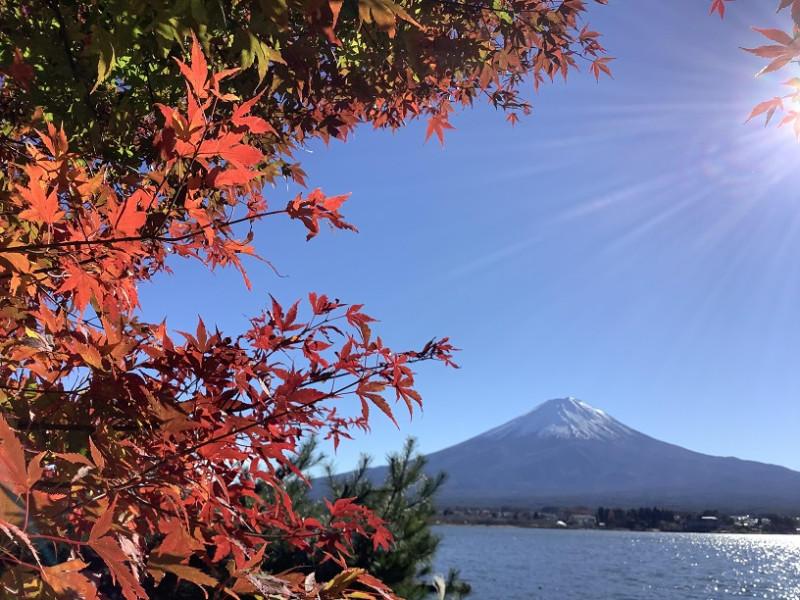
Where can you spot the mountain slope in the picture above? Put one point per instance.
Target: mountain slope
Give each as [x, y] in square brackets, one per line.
[566, 452]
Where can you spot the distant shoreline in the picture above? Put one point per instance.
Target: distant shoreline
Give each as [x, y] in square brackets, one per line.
[649, 519]
[507, 526]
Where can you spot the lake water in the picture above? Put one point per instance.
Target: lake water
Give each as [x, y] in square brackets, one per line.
[506, 563]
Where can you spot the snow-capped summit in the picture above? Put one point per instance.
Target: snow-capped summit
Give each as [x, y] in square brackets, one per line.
[565, 418]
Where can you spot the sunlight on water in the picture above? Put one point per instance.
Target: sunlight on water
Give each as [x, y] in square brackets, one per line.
[769, 562]
[563, 565]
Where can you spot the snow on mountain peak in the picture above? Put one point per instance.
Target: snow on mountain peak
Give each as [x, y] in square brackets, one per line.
[565, 418]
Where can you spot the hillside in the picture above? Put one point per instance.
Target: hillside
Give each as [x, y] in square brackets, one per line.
[566, 452]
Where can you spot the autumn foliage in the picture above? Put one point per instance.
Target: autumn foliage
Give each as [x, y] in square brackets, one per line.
[130, 132]
[783, 51]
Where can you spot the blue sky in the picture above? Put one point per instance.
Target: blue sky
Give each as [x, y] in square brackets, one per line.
[632, 243]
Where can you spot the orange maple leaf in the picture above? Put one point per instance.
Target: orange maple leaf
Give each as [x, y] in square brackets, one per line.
[42, 208]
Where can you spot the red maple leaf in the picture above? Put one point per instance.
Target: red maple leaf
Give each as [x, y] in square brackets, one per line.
[42, 207]
[437, 124]
[196, 74]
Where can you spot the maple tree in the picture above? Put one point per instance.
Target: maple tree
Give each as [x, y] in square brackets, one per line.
[131, 131]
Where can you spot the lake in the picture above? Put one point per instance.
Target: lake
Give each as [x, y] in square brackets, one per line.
[507, 563]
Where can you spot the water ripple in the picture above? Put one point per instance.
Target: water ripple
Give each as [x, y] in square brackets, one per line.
[546, 564]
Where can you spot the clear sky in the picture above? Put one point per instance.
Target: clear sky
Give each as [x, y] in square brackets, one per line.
[632, 243]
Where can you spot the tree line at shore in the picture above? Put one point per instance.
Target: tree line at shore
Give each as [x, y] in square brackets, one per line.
[635, 519]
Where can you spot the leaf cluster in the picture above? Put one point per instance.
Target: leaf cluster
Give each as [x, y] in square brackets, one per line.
[318, 67]
[785, 51]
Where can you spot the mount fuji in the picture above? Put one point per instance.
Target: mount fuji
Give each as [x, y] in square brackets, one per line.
[566, 452]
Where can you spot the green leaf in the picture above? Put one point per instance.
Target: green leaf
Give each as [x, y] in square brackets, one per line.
[102, 44]
[502, 12]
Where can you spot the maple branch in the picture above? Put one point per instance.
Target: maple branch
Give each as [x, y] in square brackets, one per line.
[21, 388]
[132, 238]
[26, 425]
[41, 536]
[365, 376]
[138, 477]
